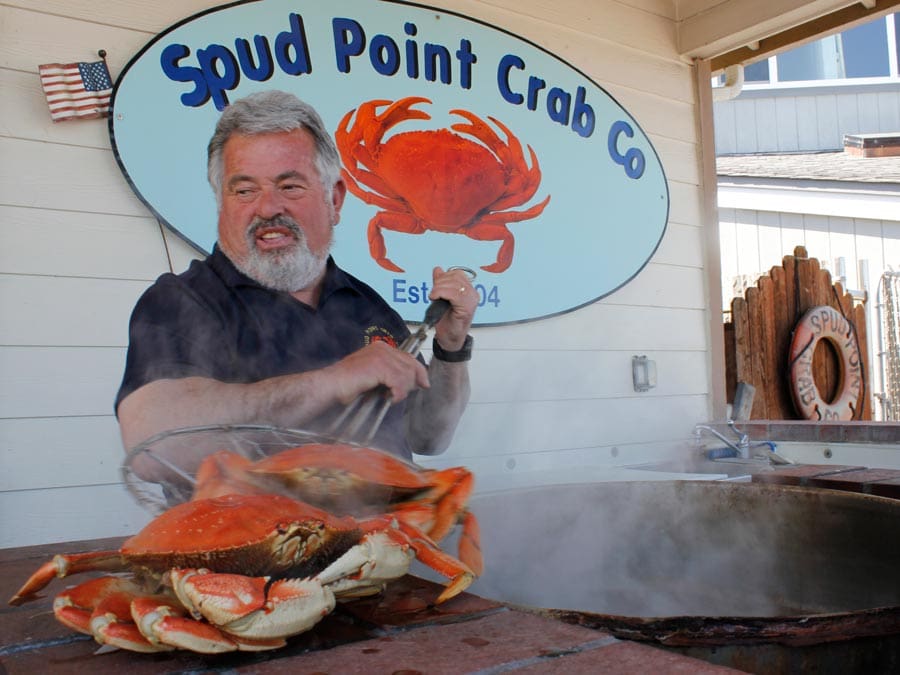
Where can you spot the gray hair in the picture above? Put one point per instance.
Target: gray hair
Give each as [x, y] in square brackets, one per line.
[269, 112]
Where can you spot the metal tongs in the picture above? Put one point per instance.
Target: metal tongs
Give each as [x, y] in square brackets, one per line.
[370, 407]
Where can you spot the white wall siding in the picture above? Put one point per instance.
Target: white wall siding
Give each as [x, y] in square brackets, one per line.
[78, 248]
[804, 120]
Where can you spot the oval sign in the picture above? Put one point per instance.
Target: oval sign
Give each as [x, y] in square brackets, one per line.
[500, 156]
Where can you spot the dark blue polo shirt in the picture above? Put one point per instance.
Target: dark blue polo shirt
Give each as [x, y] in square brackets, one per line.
[213, 321]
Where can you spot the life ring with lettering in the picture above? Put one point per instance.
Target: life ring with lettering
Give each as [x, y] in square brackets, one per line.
[825, 323]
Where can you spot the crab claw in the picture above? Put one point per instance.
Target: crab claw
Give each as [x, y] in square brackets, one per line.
[252, 607]
[163, 622]
[365, 568]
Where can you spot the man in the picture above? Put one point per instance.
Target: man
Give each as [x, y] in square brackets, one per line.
[267, 329]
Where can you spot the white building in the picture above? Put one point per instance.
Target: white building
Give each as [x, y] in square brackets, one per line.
[785, 179]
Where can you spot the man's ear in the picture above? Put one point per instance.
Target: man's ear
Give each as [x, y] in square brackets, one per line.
[338, 193]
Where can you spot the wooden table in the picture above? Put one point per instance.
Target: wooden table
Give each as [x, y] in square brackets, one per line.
[397, 631]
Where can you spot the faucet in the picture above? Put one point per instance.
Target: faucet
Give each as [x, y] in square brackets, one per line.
[742, 447]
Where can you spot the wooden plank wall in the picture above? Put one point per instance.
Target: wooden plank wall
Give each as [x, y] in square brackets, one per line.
[78, 248]
[758, 337]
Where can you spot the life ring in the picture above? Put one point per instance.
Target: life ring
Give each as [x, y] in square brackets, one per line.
[825, 323]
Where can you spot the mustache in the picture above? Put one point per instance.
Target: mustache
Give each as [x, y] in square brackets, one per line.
[281, 220]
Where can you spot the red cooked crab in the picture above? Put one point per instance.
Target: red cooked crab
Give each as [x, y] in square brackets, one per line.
[358, 481]
[237, 572]
[437, 180]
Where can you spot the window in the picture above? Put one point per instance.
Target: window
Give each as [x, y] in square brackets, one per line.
[896, 32]
[866, 51]
[819, 60]
[757, 72]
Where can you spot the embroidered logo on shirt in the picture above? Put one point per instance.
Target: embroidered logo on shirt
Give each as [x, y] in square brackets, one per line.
[379, 334]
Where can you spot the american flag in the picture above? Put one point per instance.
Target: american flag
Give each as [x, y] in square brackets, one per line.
[76, 90]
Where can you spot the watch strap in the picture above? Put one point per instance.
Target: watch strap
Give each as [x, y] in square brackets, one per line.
[464, 353]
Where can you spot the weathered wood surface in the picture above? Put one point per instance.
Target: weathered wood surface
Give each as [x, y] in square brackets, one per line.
[758, 338]
[32, 640]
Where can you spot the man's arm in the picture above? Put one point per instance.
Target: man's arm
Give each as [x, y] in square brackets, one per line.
[286, 401]
[434, 413]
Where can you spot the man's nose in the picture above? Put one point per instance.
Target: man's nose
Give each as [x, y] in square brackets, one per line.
[270, 203]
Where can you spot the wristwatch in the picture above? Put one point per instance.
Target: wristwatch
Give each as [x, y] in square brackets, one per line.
[464, 353]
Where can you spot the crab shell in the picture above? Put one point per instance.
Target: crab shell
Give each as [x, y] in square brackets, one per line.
[242, 534]
[341, 477]
[358, 481]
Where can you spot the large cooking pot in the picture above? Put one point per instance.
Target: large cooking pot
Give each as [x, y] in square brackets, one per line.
[724, 567]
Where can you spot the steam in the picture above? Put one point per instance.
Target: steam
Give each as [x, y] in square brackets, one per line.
[669, 548]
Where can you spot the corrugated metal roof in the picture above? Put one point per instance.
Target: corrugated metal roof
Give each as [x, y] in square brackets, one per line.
[830, 166]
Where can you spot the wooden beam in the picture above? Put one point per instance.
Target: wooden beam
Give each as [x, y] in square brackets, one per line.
[828, 24]
[712, 259]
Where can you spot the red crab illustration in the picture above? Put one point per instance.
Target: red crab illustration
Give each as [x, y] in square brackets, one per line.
[437, 180]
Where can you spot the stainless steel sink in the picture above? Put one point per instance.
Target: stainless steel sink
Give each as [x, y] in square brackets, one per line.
[730, 468]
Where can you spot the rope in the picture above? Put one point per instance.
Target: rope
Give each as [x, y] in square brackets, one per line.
[890, 320]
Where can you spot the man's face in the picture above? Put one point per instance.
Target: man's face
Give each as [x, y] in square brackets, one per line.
[276, 218]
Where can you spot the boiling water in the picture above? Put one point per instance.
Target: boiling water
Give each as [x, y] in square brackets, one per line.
[653, 549]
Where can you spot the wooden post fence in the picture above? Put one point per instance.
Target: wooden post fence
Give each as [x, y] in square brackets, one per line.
[758, 338]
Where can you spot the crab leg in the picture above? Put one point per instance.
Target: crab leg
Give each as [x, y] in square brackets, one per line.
[64, 565]
[453, 487]
[421, 515]
[470, 544]
[442, 508]
[427, 552]
[397, 222]
[224, 473]
[111, 624]
[492, 227]
[100, 608]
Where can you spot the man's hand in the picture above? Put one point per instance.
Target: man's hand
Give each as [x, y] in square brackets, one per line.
[455, 287]
[377, 364]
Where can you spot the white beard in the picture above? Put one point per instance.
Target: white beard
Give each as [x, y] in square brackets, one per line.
[290, 269]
